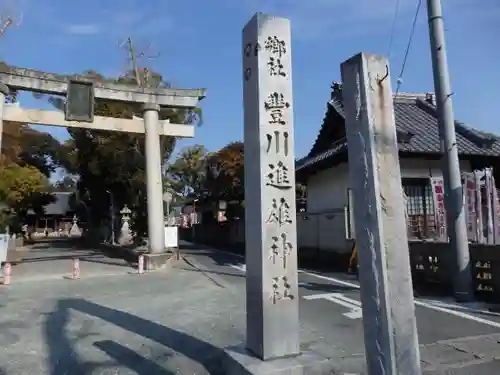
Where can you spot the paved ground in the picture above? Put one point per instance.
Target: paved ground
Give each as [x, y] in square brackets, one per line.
[160, 323]
[54, 260]
[459, 339]
[176, 321]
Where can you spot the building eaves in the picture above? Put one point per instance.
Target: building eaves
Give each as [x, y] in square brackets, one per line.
[417, 131]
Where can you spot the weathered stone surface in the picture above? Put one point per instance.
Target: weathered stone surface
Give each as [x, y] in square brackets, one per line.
[51, 83]
[271, 238]
[390, 331]
[157, 261]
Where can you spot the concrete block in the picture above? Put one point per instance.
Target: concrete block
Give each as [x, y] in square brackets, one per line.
[238, 361]
[158, 261]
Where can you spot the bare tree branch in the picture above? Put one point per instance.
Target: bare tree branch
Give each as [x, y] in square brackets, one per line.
[5, 26]
[11, 15]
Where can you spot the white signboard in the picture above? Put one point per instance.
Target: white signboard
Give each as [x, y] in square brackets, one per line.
[4, 244]
[171, 237]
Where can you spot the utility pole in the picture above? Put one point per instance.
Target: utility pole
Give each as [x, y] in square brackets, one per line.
[5, 26]
[134, 61]
[455, 215]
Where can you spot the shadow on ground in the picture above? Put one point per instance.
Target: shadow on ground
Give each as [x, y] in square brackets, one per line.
[308, 260]
[314, 262]
[218, 258]
[63, 358]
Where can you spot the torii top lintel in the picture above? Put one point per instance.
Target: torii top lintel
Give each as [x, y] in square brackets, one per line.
[57, 84]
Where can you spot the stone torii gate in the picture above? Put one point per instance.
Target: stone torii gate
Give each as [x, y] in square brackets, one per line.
[80, 93]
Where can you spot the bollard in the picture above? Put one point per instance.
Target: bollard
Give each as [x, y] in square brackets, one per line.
[7, 268]
[76, 269]
[140, 265]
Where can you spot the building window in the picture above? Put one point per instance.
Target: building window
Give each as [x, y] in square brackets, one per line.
[420, 208]
[421, 220]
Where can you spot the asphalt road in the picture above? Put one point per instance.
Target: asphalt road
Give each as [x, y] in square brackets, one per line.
[454, 337]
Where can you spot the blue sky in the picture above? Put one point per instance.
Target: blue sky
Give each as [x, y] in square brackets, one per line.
[199, 42]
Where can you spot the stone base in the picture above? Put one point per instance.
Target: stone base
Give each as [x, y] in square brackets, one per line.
[153, 262]
[238, 361]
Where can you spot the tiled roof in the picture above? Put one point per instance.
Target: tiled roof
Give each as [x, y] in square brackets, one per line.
[337, 148]
[417, 131]
[61, 205]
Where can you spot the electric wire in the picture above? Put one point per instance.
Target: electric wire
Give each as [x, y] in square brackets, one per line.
[393, 28]
[408, 47]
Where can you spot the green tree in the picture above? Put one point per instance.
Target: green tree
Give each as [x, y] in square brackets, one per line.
[111, 165]
[186, 175]
[225, 178]
[27, 160]
[22, 188]
[225, 173]
[26, 146]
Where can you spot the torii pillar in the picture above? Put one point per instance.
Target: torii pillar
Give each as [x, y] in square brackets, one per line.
[81, 93]
[154, 179]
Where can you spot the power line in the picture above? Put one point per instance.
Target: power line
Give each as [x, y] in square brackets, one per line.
[408, 46]
[393, 28]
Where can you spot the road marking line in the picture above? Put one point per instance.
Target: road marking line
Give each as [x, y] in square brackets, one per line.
[418, 303]
[356, 286]
[353, 305]
[239, 267]
[474, 308]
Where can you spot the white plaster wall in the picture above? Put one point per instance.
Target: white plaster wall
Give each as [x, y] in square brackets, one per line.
[327, 190]
[324, 226]
[420, 168]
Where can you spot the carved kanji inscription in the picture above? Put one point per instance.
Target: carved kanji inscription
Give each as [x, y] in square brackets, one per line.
[281, 248]
[279, 212]
[280, 144]
[276, 105]
[277, 48]
[278, 176]
[282, 290]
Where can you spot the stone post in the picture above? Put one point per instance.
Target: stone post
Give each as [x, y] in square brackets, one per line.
[272, 299]
[270, 219]
[270, 215]
[4, 91]
[154, 183]
[391, 340]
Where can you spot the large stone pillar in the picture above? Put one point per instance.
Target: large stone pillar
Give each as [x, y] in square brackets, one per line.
[272, 299]
[390, 328]
[4, 91]
[154, 183]
[271, 233]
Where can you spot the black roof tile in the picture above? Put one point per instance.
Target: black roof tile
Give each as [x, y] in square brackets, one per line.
[416, 126]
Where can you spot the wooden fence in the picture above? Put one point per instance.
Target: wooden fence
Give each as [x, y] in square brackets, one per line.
[433, 266]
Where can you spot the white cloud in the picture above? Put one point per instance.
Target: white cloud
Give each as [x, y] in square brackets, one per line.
[83, 29]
